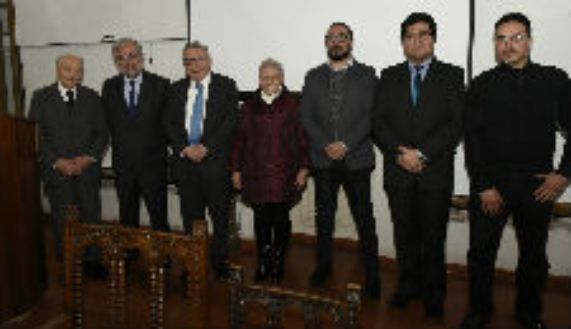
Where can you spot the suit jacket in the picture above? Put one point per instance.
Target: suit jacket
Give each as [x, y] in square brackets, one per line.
[139, 143]
[221, 117]
[65, 133]
[433, 127]
[354, 124]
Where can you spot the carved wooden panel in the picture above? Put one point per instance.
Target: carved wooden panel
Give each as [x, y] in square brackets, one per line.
[156, 249]
[343, 312]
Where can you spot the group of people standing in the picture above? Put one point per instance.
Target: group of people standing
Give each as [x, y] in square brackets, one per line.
[416, 113]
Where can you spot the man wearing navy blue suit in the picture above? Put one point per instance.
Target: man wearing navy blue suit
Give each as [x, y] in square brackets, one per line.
[134, 101]
[417, 126]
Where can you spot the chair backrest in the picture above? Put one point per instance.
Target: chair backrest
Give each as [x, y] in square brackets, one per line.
[343, 311]
[156, 249]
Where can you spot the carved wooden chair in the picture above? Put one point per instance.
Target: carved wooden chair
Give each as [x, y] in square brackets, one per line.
[156, 249]
[343, 312]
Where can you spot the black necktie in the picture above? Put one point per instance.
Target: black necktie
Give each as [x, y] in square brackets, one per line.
[70, 101]
[132, 106]
[416, 85]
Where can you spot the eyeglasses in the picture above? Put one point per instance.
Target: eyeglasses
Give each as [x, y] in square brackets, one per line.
[342, 37]
[191, 60]
[421, 36]
[127, 57]
[515, 38]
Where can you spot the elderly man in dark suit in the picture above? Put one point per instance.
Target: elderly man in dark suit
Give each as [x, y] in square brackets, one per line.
[134, 102]
[337, 98]
[73, 138]
[202, 115]
[417, 126]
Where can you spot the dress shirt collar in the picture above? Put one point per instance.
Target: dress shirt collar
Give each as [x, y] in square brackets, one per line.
[205, 82]
[424, 67]
[63, 91]
[138, 80]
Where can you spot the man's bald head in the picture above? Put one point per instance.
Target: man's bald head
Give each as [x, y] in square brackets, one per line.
[69, 69]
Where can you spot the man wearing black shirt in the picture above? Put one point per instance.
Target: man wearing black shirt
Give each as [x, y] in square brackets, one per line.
[512, 116]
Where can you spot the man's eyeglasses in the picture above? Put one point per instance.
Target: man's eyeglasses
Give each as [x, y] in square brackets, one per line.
[515, 38]
[191, 60]
[127, 57]
[422, 36]
[342, 37]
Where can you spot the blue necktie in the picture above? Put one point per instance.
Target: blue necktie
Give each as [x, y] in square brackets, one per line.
[132, 105]
[416, 85]
[197, 114]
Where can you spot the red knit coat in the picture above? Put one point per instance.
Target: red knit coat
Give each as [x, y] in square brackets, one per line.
[270, 147]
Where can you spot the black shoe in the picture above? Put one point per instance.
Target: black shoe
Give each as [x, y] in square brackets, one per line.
[401, 299]
[222, 272]
[320, 275]
[132, 255]
[373, 288]
[95, 270]
[434, 311]
[474, 321]
[167, 263]
[531, 322]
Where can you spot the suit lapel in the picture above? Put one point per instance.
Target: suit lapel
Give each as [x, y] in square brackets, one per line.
[432, 82]
[404, 86]
[79, 99]
[59, 105]
[210, 104]
[118, 96]
[144, 94]
[431, 76]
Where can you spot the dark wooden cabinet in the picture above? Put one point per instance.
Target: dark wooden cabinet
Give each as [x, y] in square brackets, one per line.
[22, 251]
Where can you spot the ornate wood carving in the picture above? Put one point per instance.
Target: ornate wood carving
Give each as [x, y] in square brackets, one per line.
[156, 249]
[344, 312]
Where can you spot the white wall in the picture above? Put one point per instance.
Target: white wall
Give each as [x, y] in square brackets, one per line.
[88, 21]
[243, 32]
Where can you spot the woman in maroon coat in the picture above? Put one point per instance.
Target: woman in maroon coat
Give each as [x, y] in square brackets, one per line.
[270, 165]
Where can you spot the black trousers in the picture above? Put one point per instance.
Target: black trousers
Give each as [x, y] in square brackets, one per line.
[357, 186]
[420, 218]
[272, 225]
[83, 191]
[531, 221]
[206, 186]
[152, 188]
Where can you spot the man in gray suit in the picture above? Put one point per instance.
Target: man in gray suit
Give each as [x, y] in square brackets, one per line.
[73, 137]
[336, 102]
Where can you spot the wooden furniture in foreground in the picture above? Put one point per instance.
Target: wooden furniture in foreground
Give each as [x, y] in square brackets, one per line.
[156, 249]
[343, 312]
[22, 253]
